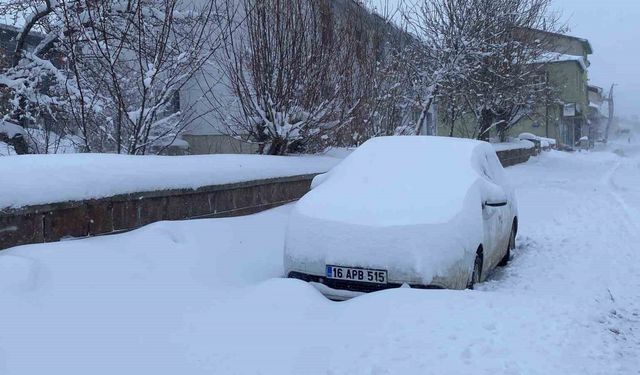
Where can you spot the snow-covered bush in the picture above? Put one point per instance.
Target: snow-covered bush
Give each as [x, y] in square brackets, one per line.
[321, 73]
[110, 71]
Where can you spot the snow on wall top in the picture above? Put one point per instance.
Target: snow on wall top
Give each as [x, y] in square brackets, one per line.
[513, 144]
[42, 179]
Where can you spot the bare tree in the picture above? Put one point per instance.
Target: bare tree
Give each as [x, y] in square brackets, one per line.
[279, 67]
[125, 62]
[475, 52]
[309, 74]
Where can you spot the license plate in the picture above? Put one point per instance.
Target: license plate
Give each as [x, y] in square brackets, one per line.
[357, 274]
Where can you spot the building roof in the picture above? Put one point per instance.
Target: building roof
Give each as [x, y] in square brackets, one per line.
[555, 58]
[585, 42]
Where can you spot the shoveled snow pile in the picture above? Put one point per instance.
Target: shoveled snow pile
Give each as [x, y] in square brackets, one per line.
[544, 142]
[42, 179]
[389, 202]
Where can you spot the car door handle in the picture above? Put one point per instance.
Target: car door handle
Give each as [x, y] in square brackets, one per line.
[494, 204]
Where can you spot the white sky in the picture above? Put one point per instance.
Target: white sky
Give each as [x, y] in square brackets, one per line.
[613, 28]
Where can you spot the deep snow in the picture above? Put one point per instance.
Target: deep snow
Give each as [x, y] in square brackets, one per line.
[42, 179]
[204, 297]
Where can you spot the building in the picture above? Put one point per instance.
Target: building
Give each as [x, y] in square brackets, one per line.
[564, 117]
[209, 133]
[598, 113]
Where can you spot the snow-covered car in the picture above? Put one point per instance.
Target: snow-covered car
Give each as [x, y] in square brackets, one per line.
[425, 212]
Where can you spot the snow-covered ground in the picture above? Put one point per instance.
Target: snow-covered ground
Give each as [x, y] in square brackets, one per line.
[205, 297]
[86, 176]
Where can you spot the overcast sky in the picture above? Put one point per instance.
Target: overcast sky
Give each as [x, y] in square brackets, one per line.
[613, 28]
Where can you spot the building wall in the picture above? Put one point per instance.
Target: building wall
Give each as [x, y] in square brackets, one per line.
[547, 121]
[571, 80]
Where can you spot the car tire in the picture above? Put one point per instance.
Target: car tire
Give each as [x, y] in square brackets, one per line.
[477, 271]
[512, 245]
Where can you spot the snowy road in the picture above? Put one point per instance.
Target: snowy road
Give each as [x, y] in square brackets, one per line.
[204, 297]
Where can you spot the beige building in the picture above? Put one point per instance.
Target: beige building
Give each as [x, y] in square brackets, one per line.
[565, 118]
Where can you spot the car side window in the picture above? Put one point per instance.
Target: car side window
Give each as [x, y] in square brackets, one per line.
[485, 167]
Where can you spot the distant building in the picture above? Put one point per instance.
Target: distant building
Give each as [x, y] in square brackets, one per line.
[566, 68]
[598, 113]
[563, 117]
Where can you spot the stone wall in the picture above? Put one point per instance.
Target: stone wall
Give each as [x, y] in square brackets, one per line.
[517, 156]
[52, 222]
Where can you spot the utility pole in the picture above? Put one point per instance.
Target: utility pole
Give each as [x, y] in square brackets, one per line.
[611, 112]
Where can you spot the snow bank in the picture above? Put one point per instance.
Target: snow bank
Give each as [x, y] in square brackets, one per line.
[112, 304]
[544, 142]
[41, 179]
[203, 297]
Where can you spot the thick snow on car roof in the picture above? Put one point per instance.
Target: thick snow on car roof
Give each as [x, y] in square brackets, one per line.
[399, 181]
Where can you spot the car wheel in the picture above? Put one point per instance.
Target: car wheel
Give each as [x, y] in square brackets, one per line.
[477, 271]
[510, 246]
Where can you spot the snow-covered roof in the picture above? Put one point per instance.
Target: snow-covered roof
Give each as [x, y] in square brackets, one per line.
[585, 42]
[555, 57]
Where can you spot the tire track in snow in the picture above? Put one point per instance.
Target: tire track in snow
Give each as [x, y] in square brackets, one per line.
[623, 319]
[613, 189]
